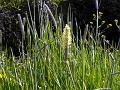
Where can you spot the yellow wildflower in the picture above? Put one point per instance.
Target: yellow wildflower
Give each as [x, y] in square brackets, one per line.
[103, 36]
[2, 75]
[109, 25]
[91, 22]
[116, 21]
[103, 22]
[100, 13]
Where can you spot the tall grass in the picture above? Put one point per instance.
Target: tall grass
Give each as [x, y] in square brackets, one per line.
[44, 66]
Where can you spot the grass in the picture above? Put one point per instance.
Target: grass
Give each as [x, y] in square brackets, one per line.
[45, 67]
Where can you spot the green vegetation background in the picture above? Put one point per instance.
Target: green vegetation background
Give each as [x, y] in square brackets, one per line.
[48, 66]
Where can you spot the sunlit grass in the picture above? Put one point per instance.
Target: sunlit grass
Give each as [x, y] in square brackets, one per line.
[44, 66]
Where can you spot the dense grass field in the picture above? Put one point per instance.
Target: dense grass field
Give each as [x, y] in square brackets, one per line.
[58, 61]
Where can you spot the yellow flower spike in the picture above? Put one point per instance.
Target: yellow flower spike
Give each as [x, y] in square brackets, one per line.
[66, 36]
[66, 42]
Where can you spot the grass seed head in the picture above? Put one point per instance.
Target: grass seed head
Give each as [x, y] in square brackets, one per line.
[66, 36]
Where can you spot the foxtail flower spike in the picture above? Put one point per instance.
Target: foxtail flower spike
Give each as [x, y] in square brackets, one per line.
[66, 37]
[66, 41]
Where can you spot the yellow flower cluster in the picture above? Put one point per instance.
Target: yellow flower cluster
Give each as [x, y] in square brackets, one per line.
[2, 75]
